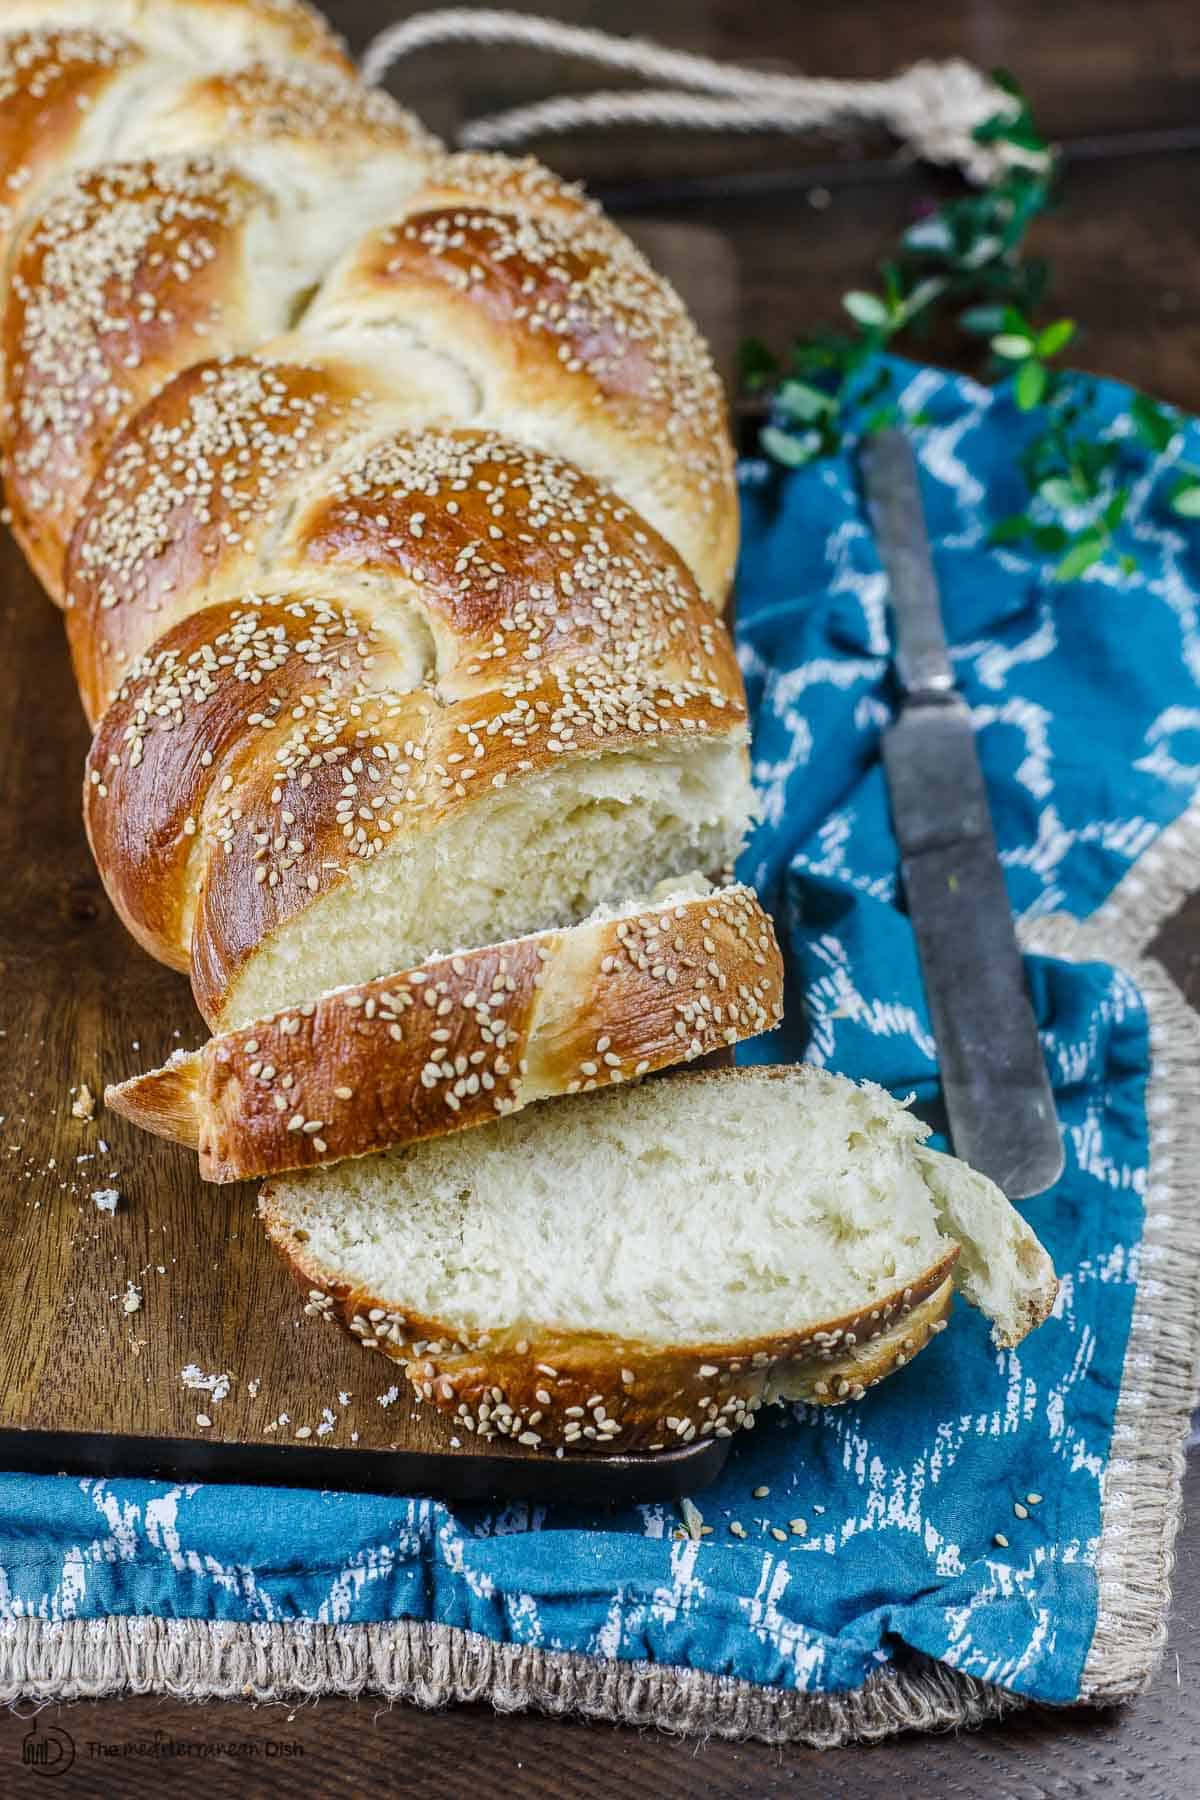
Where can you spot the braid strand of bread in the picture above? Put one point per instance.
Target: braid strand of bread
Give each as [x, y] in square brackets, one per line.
[387, 493]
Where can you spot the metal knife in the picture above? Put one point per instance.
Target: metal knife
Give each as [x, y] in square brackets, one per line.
[997, 1092]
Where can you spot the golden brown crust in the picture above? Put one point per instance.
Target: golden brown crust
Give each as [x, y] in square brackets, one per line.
[217, 31]
[510, 615]
[419, 768]
[233, 749]
[189, 495]
[51, 82]
[553, 311]
[129, 273]
[323, 110]
[555, 1388]
[511, 557]
[467, 1037]
[516, 557]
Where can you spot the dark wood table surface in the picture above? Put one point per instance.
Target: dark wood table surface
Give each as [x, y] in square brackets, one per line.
[762, 236]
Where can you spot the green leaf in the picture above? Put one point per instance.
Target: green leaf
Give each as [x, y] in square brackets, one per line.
[1055, 337]
[1030, 384]
[1152, 423]
[1051, 538]
[803, 401]
[1079, 559]
[1186, 500]
[922, 296]
[1008, 531]
[1058, 492]
[757, 363]
[782, 447]
[984, 250]
[880, 420]
[1114, 512]
[1127, 564]
[1015, 321]
[865, 309]
[1014, 348]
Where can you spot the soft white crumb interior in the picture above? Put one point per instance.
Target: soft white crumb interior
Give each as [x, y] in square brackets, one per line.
[544, 853]
[679, 1210]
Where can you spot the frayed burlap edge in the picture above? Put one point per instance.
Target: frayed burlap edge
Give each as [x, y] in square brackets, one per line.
[1143, 1484]
[195, 1659]
[1159, 882]
[433, 1665]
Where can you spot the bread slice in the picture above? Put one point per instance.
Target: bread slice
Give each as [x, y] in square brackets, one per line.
[471, 1035]
[647, 1266]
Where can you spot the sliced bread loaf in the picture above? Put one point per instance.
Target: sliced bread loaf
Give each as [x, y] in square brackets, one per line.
[648, 1265]
[471, 1035]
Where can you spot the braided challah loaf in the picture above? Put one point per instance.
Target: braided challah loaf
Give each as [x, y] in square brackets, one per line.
[389, 498]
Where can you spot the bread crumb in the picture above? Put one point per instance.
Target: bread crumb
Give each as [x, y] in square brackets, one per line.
[760, 1493]
[737, 1528]
[106, 1200]
[216, 1386]
[203, 1420]
[132, 1299]
[84, 1104]
[393, 1393]
[252, 1387]
[798, 1527]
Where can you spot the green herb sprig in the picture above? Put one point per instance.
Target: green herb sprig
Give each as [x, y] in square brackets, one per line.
[966, 257]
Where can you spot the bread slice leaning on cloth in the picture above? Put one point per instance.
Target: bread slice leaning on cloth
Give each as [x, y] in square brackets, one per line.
[471, 1035]
[635, 1269]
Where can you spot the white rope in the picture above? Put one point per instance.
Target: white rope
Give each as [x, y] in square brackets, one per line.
[933, 108]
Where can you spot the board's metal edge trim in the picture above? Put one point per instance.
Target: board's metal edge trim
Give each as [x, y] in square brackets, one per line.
[436, 1474]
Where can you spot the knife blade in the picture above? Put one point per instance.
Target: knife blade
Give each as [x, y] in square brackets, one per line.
[997, 1092]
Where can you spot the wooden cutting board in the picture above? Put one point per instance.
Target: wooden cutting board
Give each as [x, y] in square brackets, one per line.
[86, 1384]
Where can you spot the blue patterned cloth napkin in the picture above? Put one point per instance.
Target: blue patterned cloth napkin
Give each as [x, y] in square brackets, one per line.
[877, 1528]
